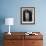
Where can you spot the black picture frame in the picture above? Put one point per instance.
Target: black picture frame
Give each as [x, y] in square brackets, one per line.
[27, 15]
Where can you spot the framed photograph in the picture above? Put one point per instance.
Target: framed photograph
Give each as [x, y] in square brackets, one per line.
[27, 15]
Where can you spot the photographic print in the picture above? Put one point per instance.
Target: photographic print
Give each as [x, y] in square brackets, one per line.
[27, 15]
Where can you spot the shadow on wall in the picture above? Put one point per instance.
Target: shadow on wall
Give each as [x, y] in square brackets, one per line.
[2, 21]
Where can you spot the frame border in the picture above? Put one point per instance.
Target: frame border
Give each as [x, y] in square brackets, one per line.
[21, 15]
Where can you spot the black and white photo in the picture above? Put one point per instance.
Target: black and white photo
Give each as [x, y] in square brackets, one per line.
[27, 15]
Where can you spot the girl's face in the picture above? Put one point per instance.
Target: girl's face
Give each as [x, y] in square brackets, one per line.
[26, 13]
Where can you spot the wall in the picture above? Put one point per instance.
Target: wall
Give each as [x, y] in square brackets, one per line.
[11, 8]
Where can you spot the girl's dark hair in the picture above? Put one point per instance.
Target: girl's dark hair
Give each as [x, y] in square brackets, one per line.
[30, 15]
